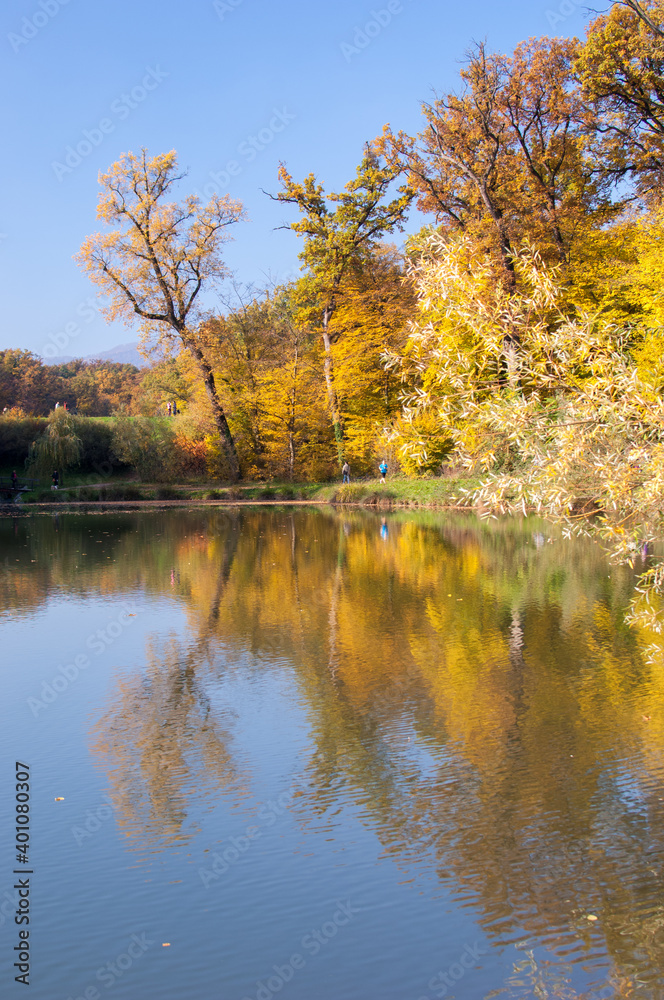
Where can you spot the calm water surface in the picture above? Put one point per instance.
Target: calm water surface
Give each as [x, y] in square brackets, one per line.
[328, 756]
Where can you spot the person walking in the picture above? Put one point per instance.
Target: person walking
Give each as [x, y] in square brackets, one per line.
[14, 480]
[169, 409]
[55, 480]
[382, 468]
[345, 472]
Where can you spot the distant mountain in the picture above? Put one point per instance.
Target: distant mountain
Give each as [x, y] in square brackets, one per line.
[126, 354]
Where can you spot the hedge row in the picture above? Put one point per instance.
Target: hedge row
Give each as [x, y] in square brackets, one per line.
[17, 434]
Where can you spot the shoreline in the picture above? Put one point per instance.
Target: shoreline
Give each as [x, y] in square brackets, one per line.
[103, 506]
[452, 492]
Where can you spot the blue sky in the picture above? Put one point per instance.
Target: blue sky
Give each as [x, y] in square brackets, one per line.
[252, 82]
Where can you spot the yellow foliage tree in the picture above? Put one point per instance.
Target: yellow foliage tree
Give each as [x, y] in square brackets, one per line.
[156, 259]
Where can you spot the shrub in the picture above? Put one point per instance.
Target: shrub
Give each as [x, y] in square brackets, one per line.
[96, 438]
[146, 444]
[17, 435]
[166, 493]
[120, 493]
[88, 495]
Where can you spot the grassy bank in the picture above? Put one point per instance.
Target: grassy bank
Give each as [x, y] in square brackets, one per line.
[407, 493]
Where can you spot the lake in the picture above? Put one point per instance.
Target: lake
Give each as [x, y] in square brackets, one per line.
[316, 755]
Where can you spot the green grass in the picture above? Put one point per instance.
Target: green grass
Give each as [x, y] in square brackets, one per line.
[443, 492]
[404, 493]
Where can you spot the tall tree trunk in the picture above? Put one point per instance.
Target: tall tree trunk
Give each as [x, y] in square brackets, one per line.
[291, 416]
[217, 409]
[291, 456]
[332, 400]
[510, 339]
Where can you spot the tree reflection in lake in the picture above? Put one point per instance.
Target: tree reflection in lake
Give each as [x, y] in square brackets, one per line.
[159, 737]
[470, 687]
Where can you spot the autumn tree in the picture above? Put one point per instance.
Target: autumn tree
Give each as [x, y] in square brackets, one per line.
[289, 397]
[621, 69]
[503, 159]
[96, 388]
[158, 257]
[558, 196]
[463, 165]
[241, 345]
[340, 229]
[26, 383]
[163, 382]
[651, 14]
[376, 304]
[266, 355]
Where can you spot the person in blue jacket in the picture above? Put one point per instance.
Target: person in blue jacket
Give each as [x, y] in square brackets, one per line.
[382, 468]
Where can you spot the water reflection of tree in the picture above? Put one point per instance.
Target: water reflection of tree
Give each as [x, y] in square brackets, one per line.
[513, 817]
[473, 690]
[160, 740]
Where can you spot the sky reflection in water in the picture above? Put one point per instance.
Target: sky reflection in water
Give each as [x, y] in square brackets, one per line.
[322, 755]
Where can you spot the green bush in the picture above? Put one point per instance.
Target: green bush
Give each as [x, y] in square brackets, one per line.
[117, 493]
[17, 434]
[147, 444]
[166, 493]
[97, 453]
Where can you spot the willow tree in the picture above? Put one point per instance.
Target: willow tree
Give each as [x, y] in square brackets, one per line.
[156, 258]
[341, 229]
[59, 447]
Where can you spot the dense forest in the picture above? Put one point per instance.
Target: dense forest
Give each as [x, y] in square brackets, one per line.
[91, 388]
